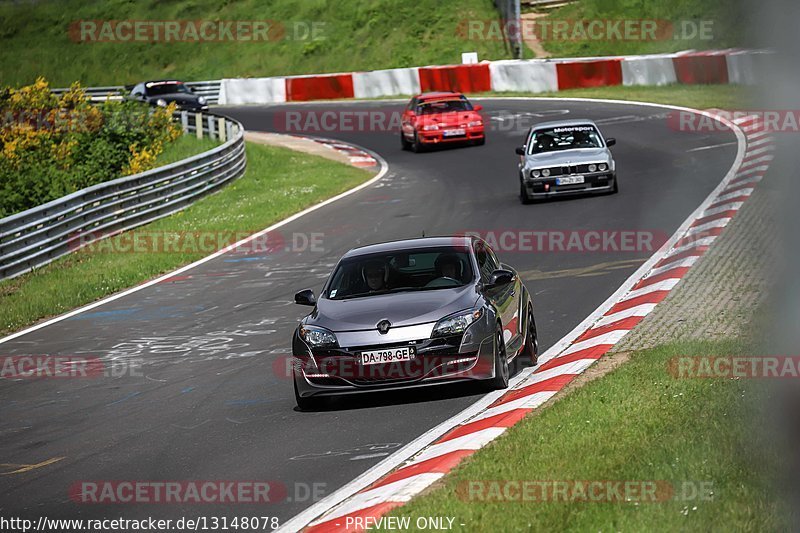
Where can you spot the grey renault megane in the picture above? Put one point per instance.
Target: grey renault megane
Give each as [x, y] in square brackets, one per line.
[412, 313]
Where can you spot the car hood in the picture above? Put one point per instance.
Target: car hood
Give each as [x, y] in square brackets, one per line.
[575, 157]
[401, 309]
[450, 119]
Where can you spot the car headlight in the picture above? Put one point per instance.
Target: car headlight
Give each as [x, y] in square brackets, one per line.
[592, 167]
[603, 167]
[474, 123]
[201, 100]
[455, 324]
[546, 172]
[317, 337]
[536, 173]
[429, 127]
[161, 102]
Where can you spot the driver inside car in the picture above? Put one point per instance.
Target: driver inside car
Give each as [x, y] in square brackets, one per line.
[448, 266]
[375, 276]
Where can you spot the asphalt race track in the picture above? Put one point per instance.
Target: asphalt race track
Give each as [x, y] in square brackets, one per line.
[212, 401]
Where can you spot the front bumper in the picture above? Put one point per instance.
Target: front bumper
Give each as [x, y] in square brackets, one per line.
[338, 371]
[600, 182]
[438, 136]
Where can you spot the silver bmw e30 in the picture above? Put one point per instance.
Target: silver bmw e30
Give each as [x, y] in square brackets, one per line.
[563, 158]
[412, 313]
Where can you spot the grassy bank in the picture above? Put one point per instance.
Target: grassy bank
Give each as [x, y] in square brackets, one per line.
[637, 423]
[349, 35]
[688, 24]
[278, 182]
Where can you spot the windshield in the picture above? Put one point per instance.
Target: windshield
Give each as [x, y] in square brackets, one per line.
[443, 106]
[564, 138]
[157, 89]
[406, 270]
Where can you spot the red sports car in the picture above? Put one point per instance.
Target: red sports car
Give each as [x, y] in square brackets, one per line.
[439, 118]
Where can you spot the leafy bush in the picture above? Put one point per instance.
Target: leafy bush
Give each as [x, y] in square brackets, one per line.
[51, 146]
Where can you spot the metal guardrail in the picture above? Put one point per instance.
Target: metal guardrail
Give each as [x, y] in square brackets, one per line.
[208, 89]
[35, 237]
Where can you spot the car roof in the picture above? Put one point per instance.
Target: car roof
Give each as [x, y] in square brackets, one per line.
[160, 82]
[405, 244]
[438, 94]
[558, 123]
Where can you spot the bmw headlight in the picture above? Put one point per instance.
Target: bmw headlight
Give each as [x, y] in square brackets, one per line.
[161, 102]
[603, 167]
[592, 167]
[536, 173]
[455, 324]
[430, 127]
[201, 100]
[318, 337]
[546, 172]
[475, 124]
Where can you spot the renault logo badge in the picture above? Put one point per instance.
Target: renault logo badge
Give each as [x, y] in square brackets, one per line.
[383, 327]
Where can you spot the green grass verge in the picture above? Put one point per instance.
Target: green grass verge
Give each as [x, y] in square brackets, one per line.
[728, 24]
[636, 423]
[183, 147]
[278, 182]
[357, 35]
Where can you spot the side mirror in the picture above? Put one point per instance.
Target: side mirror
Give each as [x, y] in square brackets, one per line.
[611, 141]
[520, 150]
[477, 107]
[499, 278]
[305, 297]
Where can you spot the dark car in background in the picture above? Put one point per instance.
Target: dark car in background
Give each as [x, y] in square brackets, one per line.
[412, 313]
[163, 92]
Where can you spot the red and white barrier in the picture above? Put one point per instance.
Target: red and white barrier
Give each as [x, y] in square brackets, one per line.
[523, 76]
[386, 82]
[531, 76]
[648, 70]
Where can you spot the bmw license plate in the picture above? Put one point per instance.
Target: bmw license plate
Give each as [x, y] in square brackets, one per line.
[454, 133]
[569, 180]
[389, 355]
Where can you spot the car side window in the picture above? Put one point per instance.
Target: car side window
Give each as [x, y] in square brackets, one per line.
[486, 263]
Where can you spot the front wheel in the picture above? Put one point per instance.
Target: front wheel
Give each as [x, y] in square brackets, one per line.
[501, 371]
[616, 186]
[416, 145]
[523, 194]
[404, 144]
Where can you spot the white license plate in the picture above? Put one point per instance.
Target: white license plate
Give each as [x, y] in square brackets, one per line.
[389, 355]
[453, 133]
[569, 180]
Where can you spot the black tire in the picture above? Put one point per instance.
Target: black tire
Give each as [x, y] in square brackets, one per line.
[531, 348]
[479, 142]
[308, 403]
[416, 146]
[523, 194]
[501, 370]
[616, 186]
[404, 144]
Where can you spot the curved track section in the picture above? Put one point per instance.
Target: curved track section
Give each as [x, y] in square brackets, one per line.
[212, 400]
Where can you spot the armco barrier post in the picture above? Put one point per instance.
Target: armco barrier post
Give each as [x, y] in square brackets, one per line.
[185, 121]
[222, 129]
[210, 121]
[198, 124]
